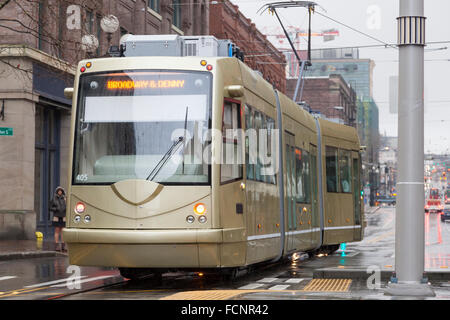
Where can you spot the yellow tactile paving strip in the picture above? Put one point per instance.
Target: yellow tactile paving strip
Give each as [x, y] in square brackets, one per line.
[328, 285]
[207, 295]
[315, 285]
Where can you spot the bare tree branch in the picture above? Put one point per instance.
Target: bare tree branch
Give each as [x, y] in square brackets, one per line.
[4, 3]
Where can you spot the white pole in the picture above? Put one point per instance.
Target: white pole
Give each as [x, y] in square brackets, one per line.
[410, 216]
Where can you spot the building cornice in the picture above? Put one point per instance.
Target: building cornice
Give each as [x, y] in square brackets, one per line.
[16, 51]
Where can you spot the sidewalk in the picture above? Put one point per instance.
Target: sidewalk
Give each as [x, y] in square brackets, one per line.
[368, 209]
[25, 249]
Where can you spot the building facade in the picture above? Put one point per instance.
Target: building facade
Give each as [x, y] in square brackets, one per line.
[40, 43]
[227, 22]
[330, 96]
[388, 164]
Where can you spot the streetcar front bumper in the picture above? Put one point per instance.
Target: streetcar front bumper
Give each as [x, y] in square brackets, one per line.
[177, 248]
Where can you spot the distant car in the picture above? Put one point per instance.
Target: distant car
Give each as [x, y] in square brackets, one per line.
[387, 200]
[445, 214]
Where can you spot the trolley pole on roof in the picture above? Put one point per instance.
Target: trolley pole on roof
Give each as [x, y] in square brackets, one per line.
[409, 277]
[310, 5]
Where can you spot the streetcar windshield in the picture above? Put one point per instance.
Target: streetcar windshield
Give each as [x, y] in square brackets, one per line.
[143, 125]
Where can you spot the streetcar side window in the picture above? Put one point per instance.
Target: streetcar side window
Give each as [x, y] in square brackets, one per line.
[271, 153]
[344, 171]
[250, 146]
[259, 147]
[331, 169]
[302, 176]
[231, 165]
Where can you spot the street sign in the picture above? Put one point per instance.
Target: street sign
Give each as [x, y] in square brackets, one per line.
[6, 131]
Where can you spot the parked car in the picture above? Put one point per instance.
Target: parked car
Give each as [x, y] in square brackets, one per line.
[445, 214]
[389, 200]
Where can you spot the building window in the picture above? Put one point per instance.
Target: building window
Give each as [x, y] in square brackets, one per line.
[154, 5]
[99, 34]
[176, 21]
[41, 9]
[88, 25]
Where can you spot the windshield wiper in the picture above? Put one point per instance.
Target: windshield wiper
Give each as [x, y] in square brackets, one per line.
[164, 159]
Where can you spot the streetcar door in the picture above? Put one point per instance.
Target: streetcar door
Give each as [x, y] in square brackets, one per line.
[231, 190]
[315, 236]
[357, 199]
[290, 190]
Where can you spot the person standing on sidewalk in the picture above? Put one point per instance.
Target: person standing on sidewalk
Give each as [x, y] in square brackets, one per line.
[58, 207]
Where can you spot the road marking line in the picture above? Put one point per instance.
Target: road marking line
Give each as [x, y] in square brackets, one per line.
[54, 282]
[7, 278]
[82, 281]
[251, 286]
[279, 287]
[20, 291]
[268, 280]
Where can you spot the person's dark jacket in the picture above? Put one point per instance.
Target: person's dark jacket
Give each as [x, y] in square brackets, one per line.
[58, 204]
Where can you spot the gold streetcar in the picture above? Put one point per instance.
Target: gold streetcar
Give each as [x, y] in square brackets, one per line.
[198, 163]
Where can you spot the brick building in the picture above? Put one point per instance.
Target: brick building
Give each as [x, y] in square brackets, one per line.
[327, 95]
[227, 22]
[40, 41]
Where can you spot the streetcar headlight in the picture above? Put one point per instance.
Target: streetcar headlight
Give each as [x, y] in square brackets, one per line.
[87, 218]
[200, 208]
[80, 207]
[202, 219]
[77, 219]
[190, 219]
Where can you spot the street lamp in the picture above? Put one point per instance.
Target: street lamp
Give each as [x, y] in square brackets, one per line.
[109, 24]
[89, 43]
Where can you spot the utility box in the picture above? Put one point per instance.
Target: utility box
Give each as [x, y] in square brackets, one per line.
[207, 46]
[154, 45]
[200, 46]
[174, 45]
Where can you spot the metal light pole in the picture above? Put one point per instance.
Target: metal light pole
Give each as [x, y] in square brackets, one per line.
[410, 216]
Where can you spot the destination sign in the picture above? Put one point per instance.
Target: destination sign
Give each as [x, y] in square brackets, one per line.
[144, 84]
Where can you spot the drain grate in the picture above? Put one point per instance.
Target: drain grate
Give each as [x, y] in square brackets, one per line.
[328, 285]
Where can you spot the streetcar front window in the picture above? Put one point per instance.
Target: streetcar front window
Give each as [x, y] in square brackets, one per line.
[143, 125]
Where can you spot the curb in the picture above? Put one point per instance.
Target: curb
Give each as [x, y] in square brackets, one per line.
[30, 255]
[362, 274]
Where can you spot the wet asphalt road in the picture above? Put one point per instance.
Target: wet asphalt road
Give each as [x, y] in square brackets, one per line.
[53, 278]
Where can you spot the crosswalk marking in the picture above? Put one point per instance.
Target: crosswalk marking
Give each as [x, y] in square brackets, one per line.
[81, 281]
[294, 280]
[279, 287]
[251, 286]
[7, 277]
[53, 282]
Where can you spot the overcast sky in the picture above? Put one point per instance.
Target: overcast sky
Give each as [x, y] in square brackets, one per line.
[378, 19]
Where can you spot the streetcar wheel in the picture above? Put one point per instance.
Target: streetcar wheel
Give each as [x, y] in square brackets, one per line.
[134, 273]
[229, 275]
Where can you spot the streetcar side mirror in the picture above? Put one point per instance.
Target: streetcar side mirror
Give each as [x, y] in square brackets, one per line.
[234, 91]
[68, 93]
